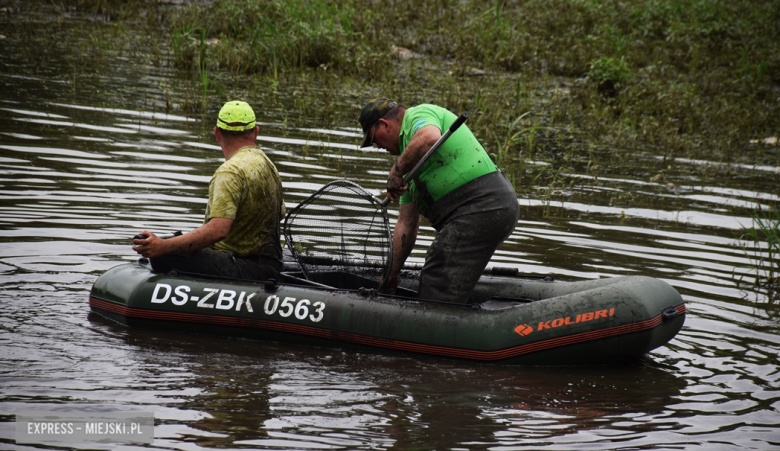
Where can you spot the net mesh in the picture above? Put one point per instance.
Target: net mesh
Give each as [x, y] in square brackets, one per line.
[340, 236]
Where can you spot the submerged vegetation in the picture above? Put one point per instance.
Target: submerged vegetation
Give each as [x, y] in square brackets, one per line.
[761, 244]
[563, 90]
[696, 79]
[550, 80]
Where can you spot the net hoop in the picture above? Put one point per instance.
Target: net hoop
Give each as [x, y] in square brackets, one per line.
[341, 228]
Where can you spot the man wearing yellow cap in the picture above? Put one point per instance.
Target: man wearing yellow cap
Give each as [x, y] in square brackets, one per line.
[240, 235]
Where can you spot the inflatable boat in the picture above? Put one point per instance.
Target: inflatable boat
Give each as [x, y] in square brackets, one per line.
[508, 319]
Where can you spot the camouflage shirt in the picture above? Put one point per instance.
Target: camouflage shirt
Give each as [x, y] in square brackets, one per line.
[246, 188]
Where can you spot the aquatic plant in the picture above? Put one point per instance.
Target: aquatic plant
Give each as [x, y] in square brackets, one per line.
[761, 244]
[696, 79]
[517, 146]
[609, 74]
[269, 36]
[202, 70]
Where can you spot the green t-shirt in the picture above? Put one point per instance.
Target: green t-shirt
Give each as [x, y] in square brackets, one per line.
[247, 189]
[458, 161]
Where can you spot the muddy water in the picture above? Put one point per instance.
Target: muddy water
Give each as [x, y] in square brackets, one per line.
[90, 157]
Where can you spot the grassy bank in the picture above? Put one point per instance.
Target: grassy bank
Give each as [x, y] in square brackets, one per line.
[695, 79]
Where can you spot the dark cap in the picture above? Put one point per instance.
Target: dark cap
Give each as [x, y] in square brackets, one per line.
[370, 115]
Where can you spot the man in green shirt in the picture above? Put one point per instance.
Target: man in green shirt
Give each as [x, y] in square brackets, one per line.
[467, 199]
[240, 235]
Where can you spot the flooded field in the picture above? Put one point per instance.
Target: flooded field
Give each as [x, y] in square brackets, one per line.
[90, 157]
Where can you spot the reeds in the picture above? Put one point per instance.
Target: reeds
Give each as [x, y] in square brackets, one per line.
[698, 79]
[761, 244]
[268, 36]
[672, 74]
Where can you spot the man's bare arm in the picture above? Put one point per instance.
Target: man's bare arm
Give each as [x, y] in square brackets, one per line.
[404, 237]
[421, 142]
[204, 236]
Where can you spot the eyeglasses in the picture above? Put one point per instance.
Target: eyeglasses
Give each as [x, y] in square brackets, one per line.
[376, 125]
[373, 132]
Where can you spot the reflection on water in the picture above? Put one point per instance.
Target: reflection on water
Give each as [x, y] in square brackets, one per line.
[271, 395]
[83, 168]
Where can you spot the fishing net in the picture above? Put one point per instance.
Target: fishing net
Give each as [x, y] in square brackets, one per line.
[340, 237]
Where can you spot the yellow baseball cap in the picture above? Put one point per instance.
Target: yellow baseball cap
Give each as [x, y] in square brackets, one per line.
[236, 116]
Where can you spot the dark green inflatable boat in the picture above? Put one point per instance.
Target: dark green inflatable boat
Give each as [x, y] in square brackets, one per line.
[508, 320]
[339, 249]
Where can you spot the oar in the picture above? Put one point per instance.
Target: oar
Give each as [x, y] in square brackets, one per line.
[410, 175]
[506, 271]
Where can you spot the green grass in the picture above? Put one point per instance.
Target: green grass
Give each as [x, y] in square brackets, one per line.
[265, 36]
[672, 74]
[571, 89]
[696, 78]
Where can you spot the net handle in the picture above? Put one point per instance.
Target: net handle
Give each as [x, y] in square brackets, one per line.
[455, 126]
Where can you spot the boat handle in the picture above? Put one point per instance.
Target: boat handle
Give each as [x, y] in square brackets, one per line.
[669, 314]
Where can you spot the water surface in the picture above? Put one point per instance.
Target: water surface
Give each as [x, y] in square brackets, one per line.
[90, 154]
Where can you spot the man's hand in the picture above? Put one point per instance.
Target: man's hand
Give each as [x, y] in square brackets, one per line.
[151, 246]
[392, 283]
[395, 187]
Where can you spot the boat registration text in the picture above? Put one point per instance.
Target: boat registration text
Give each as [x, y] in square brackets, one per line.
[223, 299]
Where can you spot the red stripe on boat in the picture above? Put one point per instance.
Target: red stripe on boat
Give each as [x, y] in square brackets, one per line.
[300, 329]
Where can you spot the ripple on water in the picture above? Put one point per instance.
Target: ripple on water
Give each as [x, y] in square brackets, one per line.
[77, 181]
